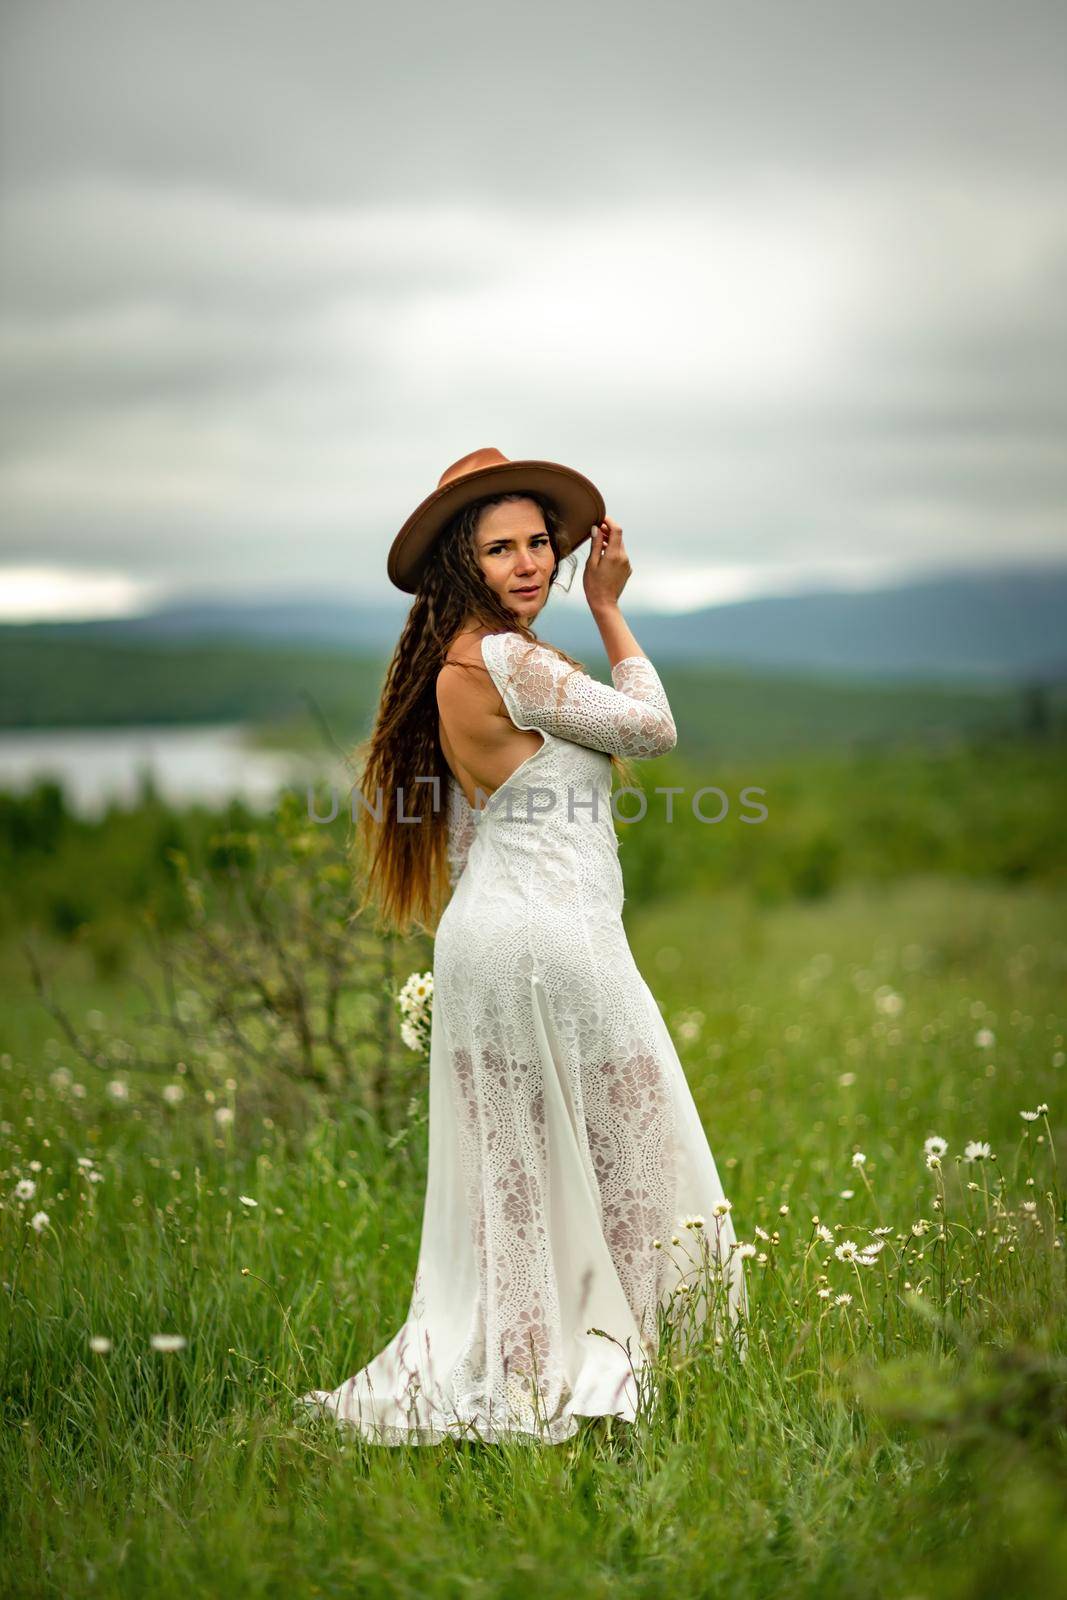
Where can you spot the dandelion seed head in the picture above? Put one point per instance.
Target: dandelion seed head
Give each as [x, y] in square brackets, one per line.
[167, 1342]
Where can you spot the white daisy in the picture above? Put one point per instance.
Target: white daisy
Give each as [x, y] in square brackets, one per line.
[409, 1035]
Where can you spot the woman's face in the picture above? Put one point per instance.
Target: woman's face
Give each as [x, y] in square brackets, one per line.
[515, 555]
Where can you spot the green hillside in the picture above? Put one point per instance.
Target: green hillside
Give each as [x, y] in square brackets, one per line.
[296, 696]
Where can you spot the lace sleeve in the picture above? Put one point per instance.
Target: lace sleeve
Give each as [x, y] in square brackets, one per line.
[541, 691]
[461, 829]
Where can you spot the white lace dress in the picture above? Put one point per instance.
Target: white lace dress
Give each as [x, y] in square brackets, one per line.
[563, 1136]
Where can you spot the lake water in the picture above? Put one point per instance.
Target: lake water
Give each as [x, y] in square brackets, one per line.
[209, 763]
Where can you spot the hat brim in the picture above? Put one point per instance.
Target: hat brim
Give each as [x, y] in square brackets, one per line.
[578, 502]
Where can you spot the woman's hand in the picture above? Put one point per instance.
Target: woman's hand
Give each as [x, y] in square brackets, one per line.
[607, 566]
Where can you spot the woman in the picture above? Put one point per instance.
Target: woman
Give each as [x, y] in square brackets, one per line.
[565, 1150]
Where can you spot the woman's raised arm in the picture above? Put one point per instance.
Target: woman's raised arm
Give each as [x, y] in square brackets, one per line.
[541, 691]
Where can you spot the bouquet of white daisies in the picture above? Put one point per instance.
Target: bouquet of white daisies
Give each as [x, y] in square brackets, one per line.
[415, 1004]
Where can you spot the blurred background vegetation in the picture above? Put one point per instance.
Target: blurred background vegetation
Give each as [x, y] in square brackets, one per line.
[202, 1079]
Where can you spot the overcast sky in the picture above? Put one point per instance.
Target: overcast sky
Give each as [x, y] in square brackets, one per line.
[788, 281]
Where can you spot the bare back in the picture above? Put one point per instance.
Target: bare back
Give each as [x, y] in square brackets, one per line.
[480, 742]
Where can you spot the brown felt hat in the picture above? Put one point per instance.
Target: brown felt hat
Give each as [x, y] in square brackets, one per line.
[487, 472]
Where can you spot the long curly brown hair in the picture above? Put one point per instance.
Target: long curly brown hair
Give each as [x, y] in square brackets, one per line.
[402, 868]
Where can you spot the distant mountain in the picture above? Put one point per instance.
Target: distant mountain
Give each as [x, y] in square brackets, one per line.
[1005, 625]
[1008, 625]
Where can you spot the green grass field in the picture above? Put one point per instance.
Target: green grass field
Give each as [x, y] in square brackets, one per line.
[906, 1441]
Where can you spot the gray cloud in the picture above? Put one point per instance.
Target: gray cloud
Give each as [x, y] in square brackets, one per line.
[788, 281]
[335, 101]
